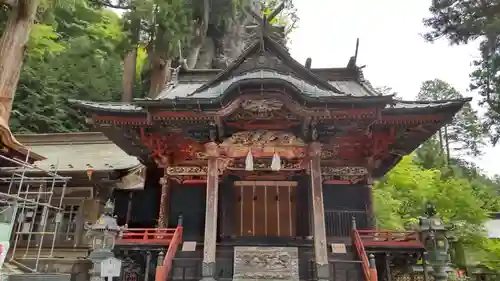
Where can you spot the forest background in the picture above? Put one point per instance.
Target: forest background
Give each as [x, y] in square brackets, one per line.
[83, 49]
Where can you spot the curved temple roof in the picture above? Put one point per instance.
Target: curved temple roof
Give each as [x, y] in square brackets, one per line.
[263, 65]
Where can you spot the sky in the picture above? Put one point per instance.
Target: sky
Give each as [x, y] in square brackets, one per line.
[391, 47]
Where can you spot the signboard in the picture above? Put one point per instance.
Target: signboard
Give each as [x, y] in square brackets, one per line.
[188, 246]
[338, 248]
[4, 248]
[111, 267]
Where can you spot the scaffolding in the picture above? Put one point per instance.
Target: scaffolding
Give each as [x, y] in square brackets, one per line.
[31, 209]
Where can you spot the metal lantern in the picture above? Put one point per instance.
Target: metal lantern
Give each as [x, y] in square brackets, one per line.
[105, 230]
[433, 232]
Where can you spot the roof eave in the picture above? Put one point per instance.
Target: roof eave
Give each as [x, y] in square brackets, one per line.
[84, 106]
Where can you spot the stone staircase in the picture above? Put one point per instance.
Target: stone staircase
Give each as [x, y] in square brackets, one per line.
[8, 269]
[266, 263]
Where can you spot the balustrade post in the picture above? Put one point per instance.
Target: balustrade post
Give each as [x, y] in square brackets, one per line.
[159, 266]
[179, 220]
[148, 264]
[373, 268]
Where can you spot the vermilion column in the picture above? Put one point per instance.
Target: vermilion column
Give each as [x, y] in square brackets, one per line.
[319, 230]
[208, 266]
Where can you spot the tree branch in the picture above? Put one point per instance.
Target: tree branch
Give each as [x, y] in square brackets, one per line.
[11, 3]
[106, 3]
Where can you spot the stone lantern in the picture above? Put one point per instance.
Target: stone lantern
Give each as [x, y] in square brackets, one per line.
[103, 234]
[433, 233]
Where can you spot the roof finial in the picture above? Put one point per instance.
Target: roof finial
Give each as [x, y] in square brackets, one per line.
[356, 51]
[264, 27]
[308, 63]
[353, 59]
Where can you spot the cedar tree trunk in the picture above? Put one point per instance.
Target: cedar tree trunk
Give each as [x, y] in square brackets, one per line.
[12, 47]
[129, 66]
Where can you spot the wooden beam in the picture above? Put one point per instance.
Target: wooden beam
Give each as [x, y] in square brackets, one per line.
[319, 229]
[208, 265]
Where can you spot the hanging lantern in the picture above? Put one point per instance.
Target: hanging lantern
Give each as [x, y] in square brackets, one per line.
[276, 163]
[249, 161]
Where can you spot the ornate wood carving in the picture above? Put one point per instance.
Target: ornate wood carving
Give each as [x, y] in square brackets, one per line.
[263, 143]
[162, 214]
[341, 171]
[262, 114]
[379, 146]
[170, 148]
[269, 263]
[265, 164]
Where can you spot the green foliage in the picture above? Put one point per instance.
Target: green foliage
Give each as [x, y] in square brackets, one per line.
[462, 200]
[463, 195]
[462, 21]
[71, 54]
[465, 133]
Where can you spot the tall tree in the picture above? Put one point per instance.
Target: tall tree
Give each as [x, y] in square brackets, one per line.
[464, 134]
[462, 21]
[198, 34]
[12, 45]
[71, 53]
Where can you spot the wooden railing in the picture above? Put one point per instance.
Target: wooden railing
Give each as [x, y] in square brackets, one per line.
[338, 222]
[388, 238]
[360, 250]
[146, 236]
[164, 267]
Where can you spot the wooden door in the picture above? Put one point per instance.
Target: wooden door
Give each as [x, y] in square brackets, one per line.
[265, 208]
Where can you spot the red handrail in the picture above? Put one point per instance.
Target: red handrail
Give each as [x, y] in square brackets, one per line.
[159, 236]
[360, 250]
[374, 238]
[389, 235]
[163, 270]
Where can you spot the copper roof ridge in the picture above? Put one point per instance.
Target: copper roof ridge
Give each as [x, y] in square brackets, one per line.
[70, 138]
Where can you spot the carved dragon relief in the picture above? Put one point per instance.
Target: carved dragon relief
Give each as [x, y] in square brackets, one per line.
[262, 143]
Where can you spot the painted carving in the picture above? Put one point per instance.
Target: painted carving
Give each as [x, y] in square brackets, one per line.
[265, 164]
[264, 143]
[341, 171]
[171, 147]
[187, 170]
[263, 137]
[330, 152]
[268, 263]
[262, 106]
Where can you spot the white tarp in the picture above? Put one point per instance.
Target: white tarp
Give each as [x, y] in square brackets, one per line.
[493, 228]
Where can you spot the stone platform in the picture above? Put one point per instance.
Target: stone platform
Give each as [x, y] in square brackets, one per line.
[266, 263]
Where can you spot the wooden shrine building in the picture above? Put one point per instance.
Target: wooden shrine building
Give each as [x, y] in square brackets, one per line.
[88, 167]
[267, 153]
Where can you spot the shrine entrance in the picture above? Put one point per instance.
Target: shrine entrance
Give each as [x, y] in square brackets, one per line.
[265, 208]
